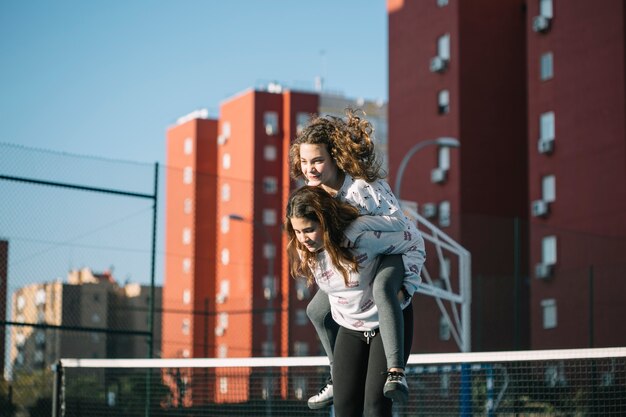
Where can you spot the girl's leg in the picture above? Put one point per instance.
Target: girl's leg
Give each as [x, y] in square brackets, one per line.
[349, 373]
[376, 404]
[407, 313]
[318, 312]
[387, 283]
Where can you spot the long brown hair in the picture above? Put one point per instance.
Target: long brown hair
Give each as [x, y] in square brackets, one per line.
[349, 142]
[333, 217]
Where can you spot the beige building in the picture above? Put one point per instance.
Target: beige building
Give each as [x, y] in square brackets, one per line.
[86, 301]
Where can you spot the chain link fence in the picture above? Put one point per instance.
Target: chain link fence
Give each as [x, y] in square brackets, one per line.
[77, 267]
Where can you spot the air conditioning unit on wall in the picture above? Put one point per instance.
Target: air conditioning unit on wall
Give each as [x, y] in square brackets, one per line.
[438, 175]
[544, 271]
[541, 24]
[540, 208]
[545, 145]
[438, 64]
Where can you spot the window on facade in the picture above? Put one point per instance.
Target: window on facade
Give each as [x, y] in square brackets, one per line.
[442, 3]
[225, 224]
[270, 185]
[269, 251]
[186, 236]
[269, 153]
[187, 206]
[444, 328]
[548, 307]
[186, 296]
[187, 175]
[268, 349]
[301, 318]
[270, 121]
[269, 217]
[188, 146]
[548, 250]
[223, 320]
[546, 66]
[21, 302]
[545, 8]
[302, 290]
[226, 161]
[444, 214]
[185, 326]
[548, 188]
[546, 126]
[40, 297]
[269, 318]
[300, 349]
[222, 352]
[223, 380]
[186, 265]
[225, 192]
[269, 287]
[443, 47]
[443, 102]
[443, 157]
[225, 256]
[301, 121]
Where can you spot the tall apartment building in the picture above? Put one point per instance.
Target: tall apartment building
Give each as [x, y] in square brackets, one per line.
[86, 300]
[227, 187]
[534, 92]
[577, 178]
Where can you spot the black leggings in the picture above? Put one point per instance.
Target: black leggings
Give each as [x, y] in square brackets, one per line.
[359, 371]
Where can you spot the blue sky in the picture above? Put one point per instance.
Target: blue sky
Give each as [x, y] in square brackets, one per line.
[107, 78]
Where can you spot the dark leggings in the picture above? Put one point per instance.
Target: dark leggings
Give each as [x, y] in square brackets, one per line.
[359, 371]
[387, 283]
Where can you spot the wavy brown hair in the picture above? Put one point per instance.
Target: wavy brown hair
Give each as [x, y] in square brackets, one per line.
[349, 142]
[333, 217]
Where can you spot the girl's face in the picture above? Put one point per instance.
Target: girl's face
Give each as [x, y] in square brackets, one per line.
[308, 232]
[317, 165]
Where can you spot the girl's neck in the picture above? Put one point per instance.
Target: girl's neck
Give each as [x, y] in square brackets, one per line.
[333, 188]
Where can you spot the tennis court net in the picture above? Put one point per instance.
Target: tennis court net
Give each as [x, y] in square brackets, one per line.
[578, 382]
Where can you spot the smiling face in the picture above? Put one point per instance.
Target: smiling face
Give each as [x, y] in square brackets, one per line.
[308, 232]
[318, 166]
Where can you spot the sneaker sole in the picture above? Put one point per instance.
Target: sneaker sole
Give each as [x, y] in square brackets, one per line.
[397, 395]
[321, 404]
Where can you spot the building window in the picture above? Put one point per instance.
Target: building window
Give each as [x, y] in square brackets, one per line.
[223, 380]
[546, 126]
[269, 317]
[268, 349]
[443, 102]
[186, 236]
[545, 8]
[269, 153]
[549, 313]
[224, 291]
[95, 318]
[300, 349]
[270, 185]
[269, 217]
[546, 67]
[187, 206]
[187, 175]
[40, 297]
[226, 161]
[188, 146]
[270, 121]
[443, 47]
[185, 326]
[269, 251]
[222, 352]
[302, 290]
[186, 353]
[443, 158]
[301, 121]
[269, 287]
[301, 318]
[223, 137]
[548, 250]
[444, 328]
[186, 297]
[442, 3]
[548, 188]
[225, 192]
[186, 265]
[444, 214]
[223, 320]
[225, 224]
[225, 256]
[21, 302]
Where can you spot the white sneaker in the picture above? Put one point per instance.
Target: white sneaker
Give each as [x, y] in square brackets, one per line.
[396, 387]
[322, 399]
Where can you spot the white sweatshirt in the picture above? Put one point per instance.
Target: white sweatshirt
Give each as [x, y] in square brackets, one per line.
[352, 306]
[377, 199]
